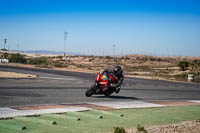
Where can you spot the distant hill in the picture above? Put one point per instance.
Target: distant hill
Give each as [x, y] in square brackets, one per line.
[45, 52]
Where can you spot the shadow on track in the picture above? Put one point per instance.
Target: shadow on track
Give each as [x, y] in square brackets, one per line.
[118, 97]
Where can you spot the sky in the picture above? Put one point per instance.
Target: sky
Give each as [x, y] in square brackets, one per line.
[153, 27]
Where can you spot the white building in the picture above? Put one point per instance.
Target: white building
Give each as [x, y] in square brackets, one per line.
[4, 61]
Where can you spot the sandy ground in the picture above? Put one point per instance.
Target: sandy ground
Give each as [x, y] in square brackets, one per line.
[85, 70]
[183, 127]
[15, 75]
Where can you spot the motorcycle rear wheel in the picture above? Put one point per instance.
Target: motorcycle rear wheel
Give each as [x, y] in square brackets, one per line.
[107, 94]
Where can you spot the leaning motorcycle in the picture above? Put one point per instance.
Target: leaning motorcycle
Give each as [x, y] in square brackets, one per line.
[103, 85]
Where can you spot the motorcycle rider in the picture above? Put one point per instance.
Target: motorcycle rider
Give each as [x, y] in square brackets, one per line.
[117, 73]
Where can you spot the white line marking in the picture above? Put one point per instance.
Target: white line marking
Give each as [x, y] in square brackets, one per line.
[127, 104]
[195, 101]
[8, 112]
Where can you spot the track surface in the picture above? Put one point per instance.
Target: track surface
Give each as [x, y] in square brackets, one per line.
[61, 87]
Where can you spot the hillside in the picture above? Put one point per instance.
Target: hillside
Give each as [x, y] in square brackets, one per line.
[140, 66]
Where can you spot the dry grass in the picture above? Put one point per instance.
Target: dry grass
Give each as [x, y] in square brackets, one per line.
[139, 66]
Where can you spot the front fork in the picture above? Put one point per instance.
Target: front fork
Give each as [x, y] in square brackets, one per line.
[97, 87]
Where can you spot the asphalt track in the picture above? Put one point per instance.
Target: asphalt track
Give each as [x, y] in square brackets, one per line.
[64, 87]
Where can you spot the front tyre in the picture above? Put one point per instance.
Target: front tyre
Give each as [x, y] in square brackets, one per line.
[89, 92]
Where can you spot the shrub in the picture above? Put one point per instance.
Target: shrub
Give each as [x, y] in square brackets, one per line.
[141, 129]
[183, 65]
[119, 130]
[82, 66]
[197, 79]
[17, 58]
[60, 57]
[58, 64]
[197, 62]
[4, 55]
[128, 68]
[108, 57]
[181, 77]
[195, 66]
[39, 61]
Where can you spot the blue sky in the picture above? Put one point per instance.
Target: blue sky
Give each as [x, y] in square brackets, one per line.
[157, 27]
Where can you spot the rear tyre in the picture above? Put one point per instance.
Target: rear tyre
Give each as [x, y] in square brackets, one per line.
[107, 94]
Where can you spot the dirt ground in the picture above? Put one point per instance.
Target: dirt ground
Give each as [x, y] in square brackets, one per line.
[138, 66]
[183, 127]
[15, 75]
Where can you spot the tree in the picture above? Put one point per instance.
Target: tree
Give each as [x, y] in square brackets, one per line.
[183, 65]
[195, 66]
[17, 58]
[38, 61]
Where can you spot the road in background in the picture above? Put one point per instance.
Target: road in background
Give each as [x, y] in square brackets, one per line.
[61, 87]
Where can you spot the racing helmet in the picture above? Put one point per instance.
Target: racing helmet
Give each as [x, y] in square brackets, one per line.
[117, 70]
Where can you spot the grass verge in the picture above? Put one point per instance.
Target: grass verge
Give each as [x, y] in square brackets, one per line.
[91, 122]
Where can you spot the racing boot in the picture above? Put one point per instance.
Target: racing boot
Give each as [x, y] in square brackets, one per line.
[117, 89]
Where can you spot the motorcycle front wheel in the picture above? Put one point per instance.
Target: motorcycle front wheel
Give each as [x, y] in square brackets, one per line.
[90, 91]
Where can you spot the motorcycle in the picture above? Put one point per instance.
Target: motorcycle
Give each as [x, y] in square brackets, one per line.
[103, 85]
